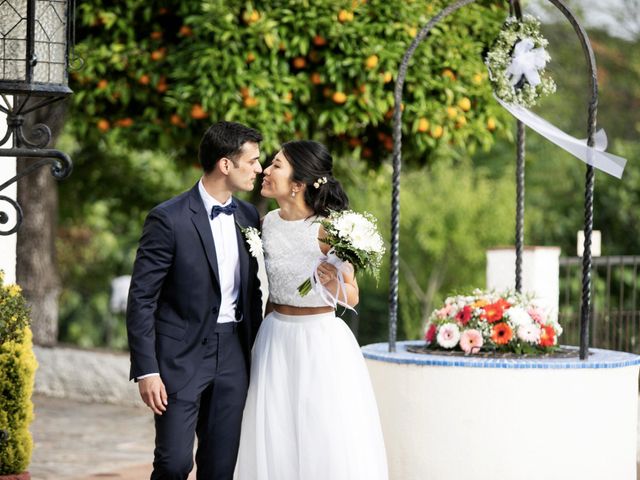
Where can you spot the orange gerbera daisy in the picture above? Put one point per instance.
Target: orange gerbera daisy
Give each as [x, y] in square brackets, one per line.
[502, 303]
[479, 303]
[547, 336]
[501, 333]
[493, 312]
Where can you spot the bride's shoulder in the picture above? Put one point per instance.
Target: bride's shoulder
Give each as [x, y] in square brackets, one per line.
[270, 217]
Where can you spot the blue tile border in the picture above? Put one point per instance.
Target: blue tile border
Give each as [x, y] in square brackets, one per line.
[597, 359]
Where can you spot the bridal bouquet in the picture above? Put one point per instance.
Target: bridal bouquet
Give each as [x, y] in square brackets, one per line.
[353, 238]
[504, 322]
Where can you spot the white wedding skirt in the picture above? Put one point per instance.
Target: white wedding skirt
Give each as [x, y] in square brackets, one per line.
[310, 413]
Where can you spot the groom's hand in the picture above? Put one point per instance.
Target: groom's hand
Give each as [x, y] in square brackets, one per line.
[153, 394]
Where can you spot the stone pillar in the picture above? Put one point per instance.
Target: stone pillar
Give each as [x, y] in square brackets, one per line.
[7, 243]
[540, 273]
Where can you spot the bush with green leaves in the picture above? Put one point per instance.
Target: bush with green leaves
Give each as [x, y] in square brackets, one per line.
[156, 73]
[17, 373]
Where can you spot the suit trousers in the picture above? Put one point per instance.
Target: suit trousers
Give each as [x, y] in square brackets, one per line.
[209, 406]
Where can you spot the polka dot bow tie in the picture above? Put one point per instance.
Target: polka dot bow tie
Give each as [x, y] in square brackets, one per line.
[228, 210]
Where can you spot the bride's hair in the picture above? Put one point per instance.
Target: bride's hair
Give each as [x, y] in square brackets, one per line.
[312, 165]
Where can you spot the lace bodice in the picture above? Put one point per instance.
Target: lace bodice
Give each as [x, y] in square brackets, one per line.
[291, 250]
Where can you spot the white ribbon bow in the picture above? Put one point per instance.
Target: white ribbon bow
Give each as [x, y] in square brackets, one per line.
[525, 62]
[594, 156]
[329, 297]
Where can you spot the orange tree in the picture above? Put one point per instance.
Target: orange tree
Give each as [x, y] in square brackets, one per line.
[156, 73]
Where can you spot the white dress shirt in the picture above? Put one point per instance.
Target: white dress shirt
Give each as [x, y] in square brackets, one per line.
[223, 229]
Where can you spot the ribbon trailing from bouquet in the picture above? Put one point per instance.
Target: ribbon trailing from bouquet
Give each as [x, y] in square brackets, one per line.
[594, 156]
[329, 297]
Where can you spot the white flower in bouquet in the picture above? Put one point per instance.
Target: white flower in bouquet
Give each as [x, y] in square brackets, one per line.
[448, 335]
[529, 333]
[353, 238]
[519, 316]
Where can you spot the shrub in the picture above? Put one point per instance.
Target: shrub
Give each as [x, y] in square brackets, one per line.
[17, 372]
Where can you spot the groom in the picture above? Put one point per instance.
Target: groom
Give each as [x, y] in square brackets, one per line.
[194, 309]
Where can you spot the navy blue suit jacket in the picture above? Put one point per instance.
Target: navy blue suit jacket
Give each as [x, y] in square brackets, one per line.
[174, 296]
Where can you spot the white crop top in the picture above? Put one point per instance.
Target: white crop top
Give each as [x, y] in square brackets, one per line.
[291, 250]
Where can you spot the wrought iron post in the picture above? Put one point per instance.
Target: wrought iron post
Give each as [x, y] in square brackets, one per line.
[515, 9]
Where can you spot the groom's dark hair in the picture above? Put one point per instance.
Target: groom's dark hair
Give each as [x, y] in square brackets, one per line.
[224, 139]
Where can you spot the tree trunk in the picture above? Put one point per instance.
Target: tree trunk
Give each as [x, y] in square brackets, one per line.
[36, 269]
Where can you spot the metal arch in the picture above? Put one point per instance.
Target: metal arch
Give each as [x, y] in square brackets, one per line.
[590, 174]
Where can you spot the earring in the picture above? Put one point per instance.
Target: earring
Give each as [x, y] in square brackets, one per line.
[293, 194]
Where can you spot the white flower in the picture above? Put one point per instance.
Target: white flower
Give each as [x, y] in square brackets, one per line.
[448, 335]
[252, 236]
[529, 333]
[519, 316]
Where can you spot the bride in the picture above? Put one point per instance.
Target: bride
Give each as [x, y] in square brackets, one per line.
[310, 411]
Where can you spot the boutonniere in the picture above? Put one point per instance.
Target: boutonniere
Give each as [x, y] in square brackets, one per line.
[252, 237]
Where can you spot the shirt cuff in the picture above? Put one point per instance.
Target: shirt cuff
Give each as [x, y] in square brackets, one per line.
[147, 375]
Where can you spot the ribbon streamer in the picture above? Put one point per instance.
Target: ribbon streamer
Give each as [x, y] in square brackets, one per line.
[594, 156]
[324, 292]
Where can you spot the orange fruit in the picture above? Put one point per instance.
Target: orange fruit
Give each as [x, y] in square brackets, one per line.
[316, 79]
[412, 31]
[157, 35]
[491, 124]
[371, 62]
[103, 125]
[163, 11]
[176, 120]
[288, 97]
[250, 17]
[423, 125]
[144, 79]
[452, 112]
[319, 41]
[465, 104]
[125, 122]
[437, 131]
[250, 57]
[158, 54]
[327, 92]
[102, 84]
[197, 112]
[388, 143]
[314, 56]
[477, 78]
[185, 31]
[367, 152]
[345, 16]
[387, 77]
[299, 62]
[250, 102]
[447, 72]
[288, 116]
[461, 121]
[354, 142]
[339, 98]
[161, 87]
[244, 91]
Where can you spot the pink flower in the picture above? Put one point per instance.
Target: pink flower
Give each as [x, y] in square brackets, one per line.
[444, 311]
[536, 314]
[471, 341]
[448, 335]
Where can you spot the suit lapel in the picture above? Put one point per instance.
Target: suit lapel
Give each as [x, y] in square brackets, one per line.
[243, 254]
[201, 222]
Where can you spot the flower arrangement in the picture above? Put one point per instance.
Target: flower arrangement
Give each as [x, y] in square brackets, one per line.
[516, 63]
[353, 238]
[254, 241]
[502, 322]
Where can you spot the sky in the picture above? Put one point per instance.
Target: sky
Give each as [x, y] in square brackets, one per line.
[621, 18]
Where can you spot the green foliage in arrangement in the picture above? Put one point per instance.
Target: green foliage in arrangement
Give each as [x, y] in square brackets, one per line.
[17, 373]
[157, 73]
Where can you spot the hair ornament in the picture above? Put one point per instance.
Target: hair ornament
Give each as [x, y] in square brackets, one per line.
[320, 181]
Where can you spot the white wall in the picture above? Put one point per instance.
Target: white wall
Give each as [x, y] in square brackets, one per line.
[7, 243]
[540, 273]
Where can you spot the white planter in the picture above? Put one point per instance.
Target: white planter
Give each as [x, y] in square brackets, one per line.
[450, 418]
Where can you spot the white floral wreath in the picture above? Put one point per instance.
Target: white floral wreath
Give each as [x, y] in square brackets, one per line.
[516, 63]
